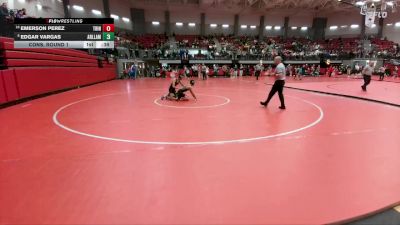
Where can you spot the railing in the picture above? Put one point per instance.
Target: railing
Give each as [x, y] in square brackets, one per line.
[156, 55]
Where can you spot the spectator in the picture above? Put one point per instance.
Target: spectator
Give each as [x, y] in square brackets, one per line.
[132, 72]
[24, 12]
[204, 72]
[4, 12]
[5, 20]
[20, 14]
[289, 70]
[382, 73]
[258, 70]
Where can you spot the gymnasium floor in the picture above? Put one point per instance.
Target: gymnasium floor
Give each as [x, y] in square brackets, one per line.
[113, 153]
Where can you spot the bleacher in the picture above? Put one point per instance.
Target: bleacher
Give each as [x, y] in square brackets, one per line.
[194, 41]
[28, 72]
[152, 41]
[149, 40]
[187, 40]
[382, 45]
[345, 44]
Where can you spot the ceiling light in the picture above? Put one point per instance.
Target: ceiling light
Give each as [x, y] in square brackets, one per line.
[225, 25]
[77, 7]
[213, 25]
[354, 26]
[96, 12]
[191, 24]
[333, 27]
[268, 27]
[179, 24]
[126, 19]
[243, 26]
[155, 23]
[252, 26]
[277, 27]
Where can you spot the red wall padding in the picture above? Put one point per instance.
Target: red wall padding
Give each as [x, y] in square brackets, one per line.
[35, 81]
[6, 45]
[9, 54]
[47, 63]
[6, 39]
[54, 51]
[3, 95]
[10, 85]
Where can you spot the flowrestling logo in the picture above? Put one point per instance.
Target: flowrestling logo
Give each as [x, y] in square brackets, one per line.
[380, 14]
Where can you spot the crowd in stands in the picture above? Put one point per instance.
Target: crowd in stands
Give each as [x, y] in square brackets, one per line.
[251, 48]
[297, 48]
[195, 41]
[151, 41]
[304, 49]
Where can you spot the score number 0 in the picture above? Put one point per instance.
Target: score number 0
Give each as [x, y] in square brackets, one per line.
[108, 27]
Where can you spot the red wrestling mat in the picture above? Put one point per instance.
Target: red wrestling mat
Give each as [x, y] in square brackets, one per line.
[114, 154]
[377, 90]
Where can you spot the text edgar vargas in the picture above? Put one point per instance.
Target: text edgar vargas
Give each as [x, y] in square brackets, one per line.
[40, 36]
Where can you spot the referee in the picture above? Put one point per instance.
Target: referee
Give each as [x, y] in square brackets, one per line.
[280, 76]
[367, 73]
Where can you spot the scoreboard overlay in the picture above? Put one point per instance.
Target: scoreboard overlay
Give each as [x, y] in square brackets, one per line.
[77, 33]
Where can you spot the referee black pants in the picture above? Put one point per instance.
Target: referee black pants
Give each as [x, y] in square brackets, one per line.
[277, 87]
[367, 80]
[257, 74]
[381, 76]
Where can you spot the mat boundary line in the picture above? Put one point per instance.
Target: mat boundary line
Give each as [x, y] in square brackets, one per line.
[345, 95]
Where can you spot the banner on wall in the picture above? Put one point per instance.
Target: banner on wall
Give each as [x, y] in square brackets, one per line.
[370, 16]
